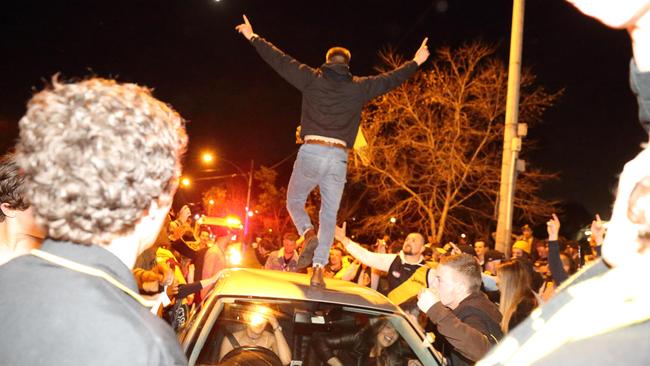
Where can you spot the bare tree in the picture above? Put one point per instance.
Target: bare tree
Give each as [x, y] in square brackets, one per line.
[433, 158]
[271, 201]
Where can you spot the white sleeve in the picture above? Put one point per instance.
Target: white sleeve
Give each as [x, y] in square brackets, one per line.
[378, 261]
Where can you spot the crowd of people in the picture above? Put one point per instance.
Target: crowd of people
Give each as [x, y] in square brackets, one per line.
[89, 248]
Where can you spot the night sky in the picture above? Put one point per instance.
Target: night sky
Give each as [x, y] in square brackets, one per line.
[189, 52]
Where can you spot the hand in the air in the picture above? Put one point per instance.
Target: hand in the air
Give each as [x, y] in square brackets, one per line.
[422, 54]
[246, 29]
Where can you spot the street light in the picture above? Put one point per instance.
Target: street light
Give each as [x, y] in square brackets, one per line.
[207, 157]
[185, 182]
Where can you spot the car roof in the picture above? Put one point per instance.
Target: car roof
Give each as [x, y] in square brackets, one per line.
[265, 283]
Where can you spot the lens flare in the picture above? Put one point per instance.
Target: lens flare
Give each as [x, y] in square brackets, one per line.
[258, 316]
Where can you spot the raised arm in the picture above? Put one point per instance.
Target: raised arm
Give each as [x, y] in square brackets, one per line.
[378, 261]
[280, 346]
[385, 82]
[554, 262]
[297, 74]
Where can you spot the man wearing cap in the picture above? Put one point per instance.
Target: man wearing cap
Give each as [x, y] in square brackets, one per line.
[331, 111]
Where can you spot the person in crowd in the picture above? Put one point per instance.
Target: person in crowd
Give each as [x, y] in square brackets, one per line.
[101, 162]
[147, 259]
[331, 111]
[338, 264]
[375, 344]
[492, 259]
[540, 255]
[209, 261]
[359, 273]
[399, 266]
[150, 281]
[18, 230]
[480, 248]
[468, 322]
[517, 299]
[527, 236]
[286, 258]
[521, 249]
[204, 239]
[600, 315]
[181, 224]
[560, 265]
[596, 238]
[558, 271]
[257, 253]
[256, 335]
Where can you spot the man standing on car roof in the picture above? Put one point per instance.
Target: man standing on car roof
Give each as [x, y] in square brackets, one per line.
[331, 111]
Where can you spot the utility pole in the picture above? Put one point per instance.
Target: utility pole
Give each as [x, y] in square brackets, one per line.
[511, 140]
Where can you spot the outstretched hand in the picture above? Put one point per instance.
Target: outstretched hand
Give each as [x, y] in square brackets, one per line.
[422, 54]
[246, 29]
[597, 231]
[553, 228]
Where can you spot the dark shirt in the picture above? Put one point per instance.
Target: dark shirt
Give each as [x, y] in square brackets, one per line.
[57, 316]
[332, 98]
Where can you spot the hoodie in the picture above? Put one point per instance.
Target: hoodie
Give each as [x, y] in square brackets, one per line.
[332, 98]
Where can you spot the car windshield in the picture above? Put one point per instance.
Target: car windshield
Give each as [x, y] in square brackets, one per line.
[314, 333]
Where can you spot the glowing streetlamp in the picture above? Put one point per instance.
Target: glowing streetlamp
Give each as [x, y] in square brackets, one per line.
[392, 220]
[207, 157]
[185, 182]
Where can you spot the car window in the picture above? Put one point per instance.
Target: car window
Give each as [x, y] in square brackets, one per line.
[313, 332]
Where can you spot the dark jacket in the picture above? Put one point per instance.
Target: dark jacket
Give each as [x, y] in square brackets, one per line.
[57, 316]
[332, 98]
[470, 330]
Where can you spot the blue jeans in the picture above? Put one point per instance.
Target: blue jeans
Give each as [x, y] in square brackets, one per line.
[325, 167]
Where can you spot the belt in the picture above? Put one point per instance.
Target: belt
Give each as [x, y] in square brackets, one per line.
[326, 143]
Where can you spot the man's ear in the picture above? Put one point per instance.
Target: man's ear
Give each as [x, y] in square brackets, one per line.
[7, 210]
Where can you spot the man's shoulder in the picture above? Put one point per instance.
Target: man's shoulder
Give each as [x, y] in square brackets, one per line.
[477, 304]
[74, 317]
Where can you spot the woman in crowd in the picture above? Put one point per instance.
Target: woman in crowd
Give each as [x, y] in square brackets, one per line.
[375, 344]
[517, 300]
